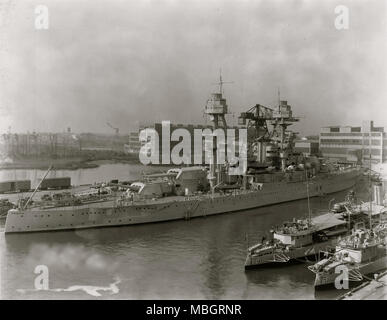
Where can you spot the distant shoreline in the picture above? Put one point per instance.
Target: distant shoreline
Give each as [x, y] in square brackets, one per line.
[61, 164]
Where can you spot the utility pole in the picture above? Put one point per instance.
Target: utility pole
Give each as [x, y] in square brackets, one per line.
[370, 181]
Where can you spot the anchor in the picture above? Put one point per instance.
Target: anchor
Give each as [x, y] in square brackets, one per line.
[190, 210]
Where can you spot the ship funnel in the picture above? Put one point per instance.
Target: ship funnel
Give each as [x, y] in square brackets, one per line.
[378, 194]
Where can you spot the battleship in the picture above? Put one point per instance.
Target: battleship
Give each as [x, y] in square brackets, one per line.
[274, 173]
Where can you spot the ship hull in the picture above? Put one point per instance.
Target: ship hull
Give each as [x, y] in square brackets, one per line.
[327, 281]
[109, 214]
[284, 258]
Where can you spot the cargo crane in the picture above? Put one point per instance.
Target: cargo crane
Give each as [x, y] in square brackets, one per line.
[268, 146]
[116, 130]
[257, 120]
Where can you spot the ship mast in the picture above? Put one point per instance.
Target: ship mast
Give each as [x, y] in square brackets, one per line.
[307, 193]
[283, 118]
[221, 82]
[279, 99]
[216, 108]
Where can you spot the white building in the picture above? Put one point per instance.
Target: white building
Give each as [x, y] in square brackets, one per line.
[354, 143]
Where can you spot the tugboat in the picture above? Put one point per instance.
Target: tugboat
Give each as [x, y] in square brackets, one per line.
[293, 241]
[362, 253]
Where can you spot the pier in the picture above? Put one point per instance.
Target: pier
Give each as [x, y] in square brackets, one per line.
[371, 290]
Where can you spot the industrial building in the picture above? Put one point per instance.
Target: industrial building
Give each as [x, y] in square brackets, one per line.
[134, 144]
[308, 146]
[39, 144]
[354, 143]
[58, 144]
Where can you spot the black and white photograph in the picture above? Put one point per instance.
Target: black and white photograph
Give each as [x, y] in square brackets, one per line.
[192, 150]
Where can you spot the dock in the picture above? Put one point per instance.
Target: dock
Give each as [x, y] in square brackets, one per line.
[371, 290]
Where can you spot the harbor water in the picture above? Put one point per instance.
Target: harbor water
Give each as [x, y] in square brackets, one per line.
[196, 259]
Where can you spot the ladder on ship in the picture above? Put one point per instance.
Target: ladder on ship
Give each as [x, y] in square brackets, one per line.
[191, 209]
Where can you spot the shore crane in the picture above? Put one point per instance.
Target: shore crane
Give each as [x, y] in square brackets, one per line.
[117, 130]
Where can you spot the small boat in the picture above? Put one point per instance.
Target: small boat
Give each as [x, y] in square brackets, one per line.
[361, 254]
[297, 240]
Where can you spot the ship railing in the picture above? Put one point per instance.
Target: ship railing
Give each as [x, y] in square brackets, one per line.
[352, 244]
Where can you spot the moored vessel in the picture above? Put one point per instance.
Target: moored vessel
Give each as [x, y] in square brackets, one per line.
[356, 257]
[296, 240]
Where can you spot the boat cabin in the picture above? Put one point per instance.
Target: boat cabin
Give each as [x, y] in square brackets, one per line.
[361, 246]
[297, 239]
[360, 255]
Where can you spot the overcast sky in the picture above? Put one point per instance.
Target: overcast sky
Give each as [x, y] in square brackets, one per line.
[128, 61]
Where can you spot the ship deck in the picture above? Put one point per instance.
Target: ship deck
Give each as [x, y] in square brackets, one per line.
[112, 201]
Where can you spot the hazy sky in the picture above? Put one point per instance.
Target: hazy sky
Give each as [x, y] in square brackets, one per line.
[128, 61]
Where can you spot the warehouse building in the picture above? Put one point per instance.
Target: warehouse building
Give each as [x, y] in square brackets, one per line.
[308, 146]
[354, 144]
